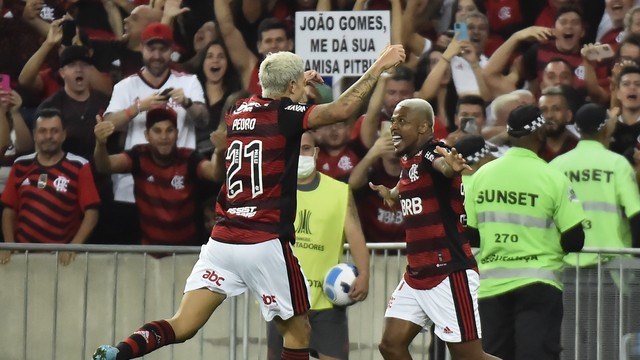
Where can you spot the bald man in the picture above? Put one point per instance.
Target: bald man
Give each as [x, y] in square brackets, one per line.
[440, 285]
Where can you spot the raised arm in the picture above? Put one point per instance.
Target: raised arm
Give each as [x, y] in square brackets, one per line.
[431, 84]
[359, 251]
[360, 173]
[351, 100]
[370, 123]
[104, 162]
[492, 71]
[242, 58]
[31, 16]
[24, 138]
[28, 77]
[451, 163]
[594, 90]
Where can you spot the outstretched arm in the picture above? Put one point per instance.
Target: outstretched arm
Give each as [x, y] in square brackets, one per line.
[351, 100]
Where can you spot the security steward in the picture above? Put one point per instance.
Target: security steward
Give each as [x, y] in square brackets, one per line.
[606, 185]
[527, 217]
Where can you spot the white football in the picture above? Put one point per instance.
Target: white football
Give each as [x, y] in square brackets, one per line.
[337, 283]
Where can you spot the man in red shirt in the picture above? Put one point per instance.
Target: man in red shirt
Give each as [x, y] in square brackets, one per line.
[50, 196]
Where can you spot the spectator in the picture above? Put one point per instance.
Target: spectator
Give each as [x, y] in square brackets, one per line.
[464, 68]
[616, 10]
[321, 229]
[165, 178]
[156, 85]
[606, 185]
[440, 272]
[338, 153]
[470, 118]
[557, 114]
[127, 51]
[379, 166]
[627, 128]
[219, 79]
[272, 37]
[443, 96]
[77, 102]
[522, 243]
[45, 82]
[50, 196]
[632, 21]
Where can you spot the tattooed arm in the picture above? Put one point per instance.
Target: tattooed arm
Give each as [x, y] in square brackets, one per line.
[350, 100]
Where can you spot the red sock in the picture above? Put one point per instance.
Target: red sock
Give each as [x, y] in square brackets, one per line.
[149, 337]
[295, 354]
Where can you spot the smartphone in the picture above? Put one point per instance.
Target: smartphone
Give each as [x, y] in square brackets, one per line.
[461, 29]
[5, 82]
[468, 125]
[68, 32]
[166, 92]
[600, 52]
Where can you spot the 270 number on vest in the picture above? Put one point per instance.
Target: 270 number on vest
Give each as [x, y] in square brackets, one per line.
[502, 238]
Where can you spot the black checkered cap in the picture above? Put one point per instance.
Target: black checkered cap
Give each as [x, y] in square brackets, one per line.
[590, 118]
[524, 120]
[473, 148]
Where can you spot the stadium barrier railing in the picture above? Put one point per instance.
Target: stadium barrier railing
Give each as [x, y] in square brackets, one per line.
[60, 312]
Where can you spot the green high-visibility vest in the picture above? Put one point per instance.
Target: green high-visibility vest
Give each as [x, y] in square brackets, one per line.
[606, 185]
[520, 205]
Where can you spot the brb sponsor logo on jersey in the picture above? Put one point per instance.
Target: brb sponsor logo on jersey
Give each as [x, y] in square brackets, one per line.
[412, 206]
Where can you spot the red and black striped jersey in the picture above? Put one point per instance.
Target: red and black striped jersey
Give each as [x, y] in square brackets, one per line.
[166, 196]
[433, 210]
[258, 200]
[49, 200]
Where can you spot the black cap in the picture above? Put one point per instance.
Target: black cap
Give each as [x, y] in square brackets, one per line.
[75, 53]
[524, 120]
[590, 118]
[161, 114]
[473, 148]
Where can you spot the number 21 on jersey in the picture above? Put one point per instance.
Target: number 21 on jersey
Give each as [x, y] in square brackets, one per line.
[239, 155]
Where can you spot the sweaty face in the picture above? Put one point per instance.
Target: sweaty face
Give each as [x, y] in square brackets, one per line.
[406, 128]
[215, 63]
[49, 135]
[273, 41]
[628, 92]
[569, 30]
[162, 137]
[156, 57]
[75, 76]
[396, 91]
[556, 114]
[556, 73]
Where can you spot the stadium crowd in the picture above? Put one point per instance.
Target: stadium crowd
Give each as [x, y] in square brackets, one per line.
[81, 80]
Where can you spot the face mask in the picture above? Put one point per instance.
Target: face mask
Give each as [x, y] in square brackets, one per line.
[306, 165]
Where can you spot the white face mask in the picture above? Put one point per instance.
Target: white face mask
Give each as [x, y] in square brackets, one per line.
[306, 165]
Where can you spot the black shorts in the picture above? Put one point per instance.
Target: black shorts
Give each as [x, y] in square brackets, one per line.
[329, 334]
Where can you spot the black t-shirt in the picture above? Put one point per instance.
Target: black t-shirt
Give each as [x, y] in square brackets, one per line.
[107, 51]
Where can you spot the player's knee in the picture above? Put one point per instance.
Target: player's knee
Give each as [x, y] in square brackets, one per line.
[389, 349]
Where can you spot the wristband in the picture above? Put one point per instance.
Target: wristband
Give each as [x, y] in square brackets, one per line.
[129, 113]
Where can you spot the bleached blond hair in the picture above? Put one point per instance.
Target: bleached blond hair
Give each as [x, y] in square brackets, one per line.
[422, 107]
[277, 71]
